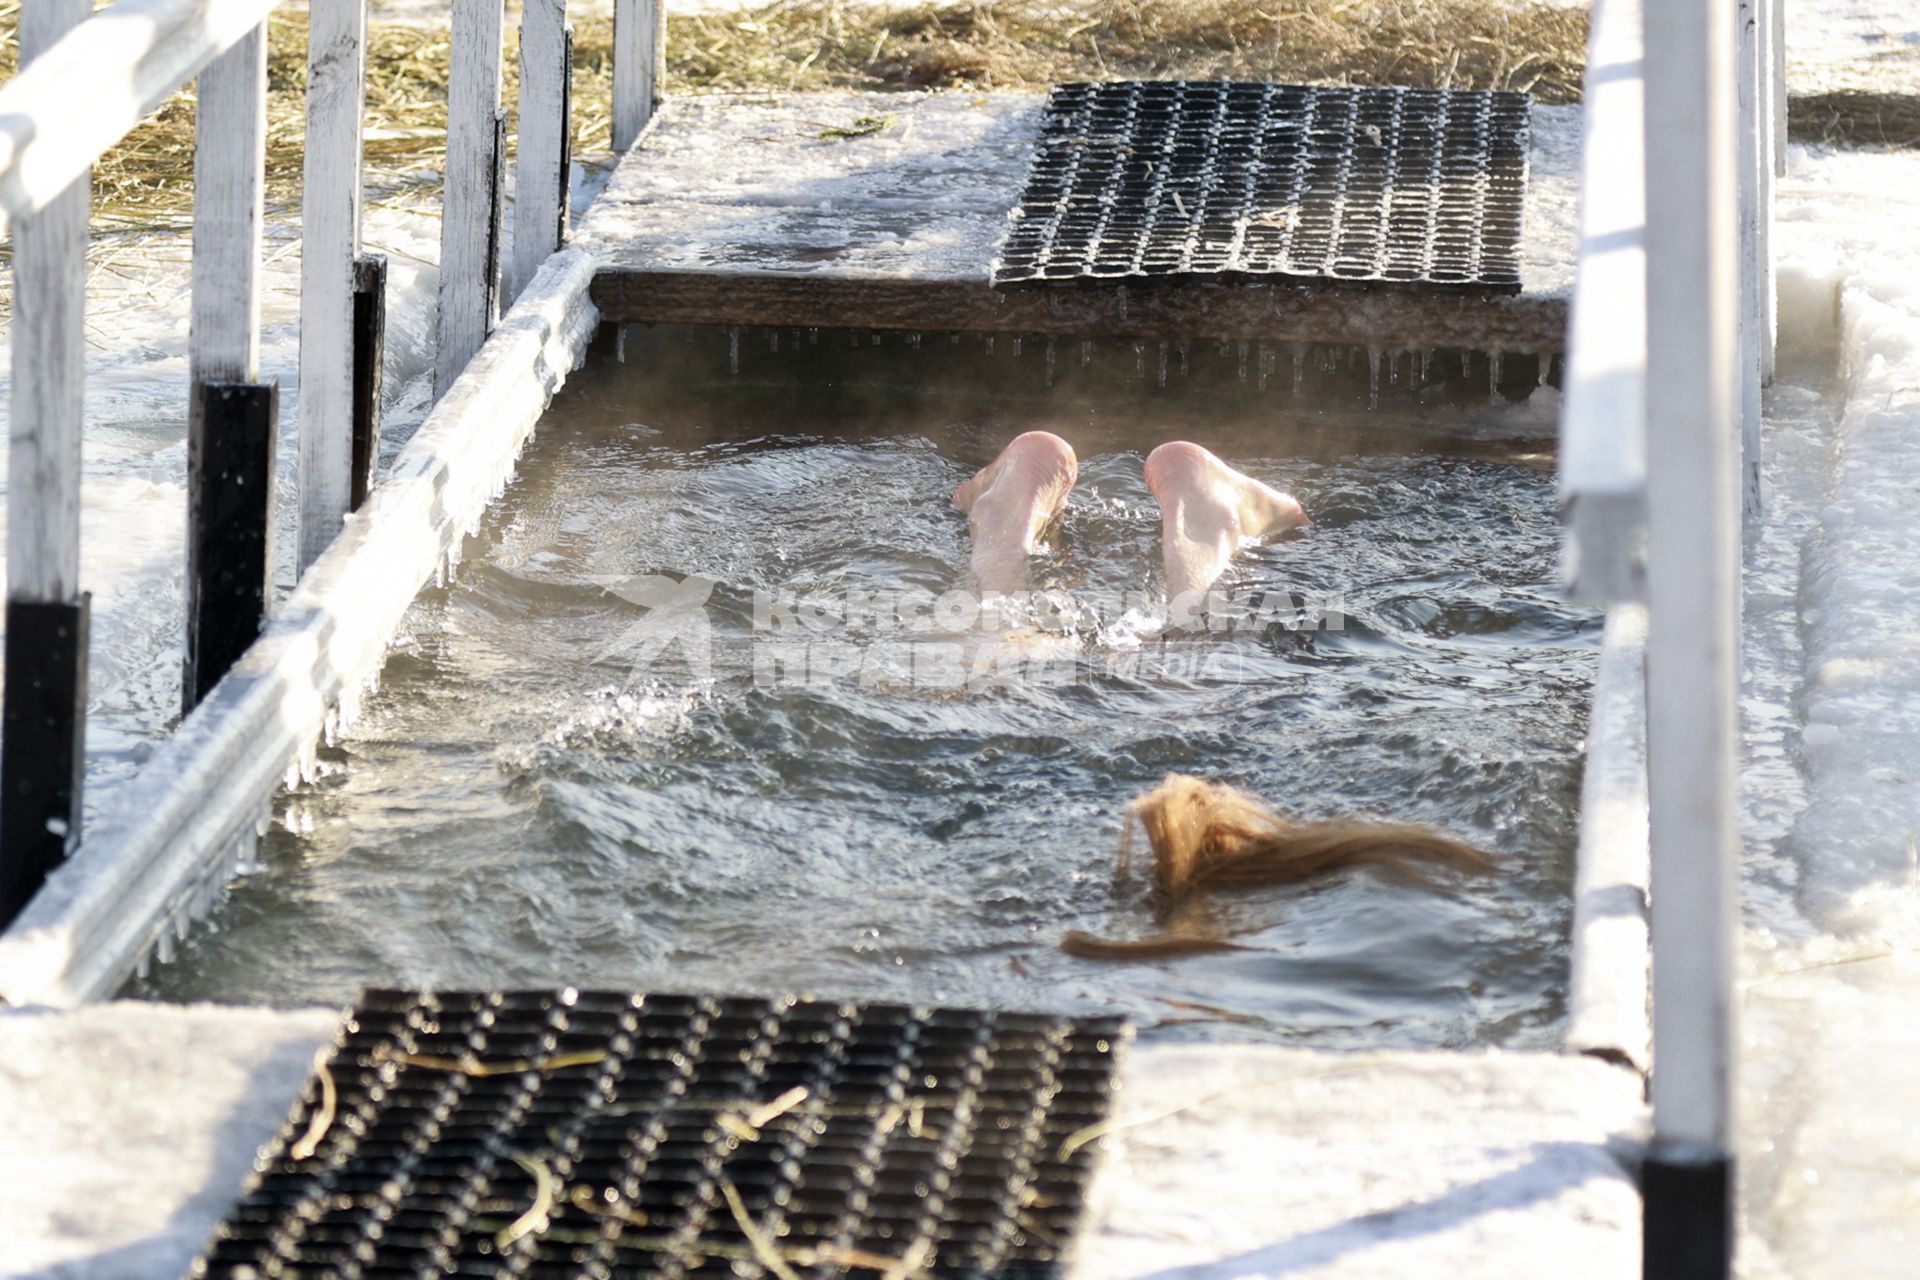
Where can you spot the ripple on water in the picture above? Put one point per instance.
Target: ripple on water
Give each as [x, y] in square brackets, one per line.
[521, 805]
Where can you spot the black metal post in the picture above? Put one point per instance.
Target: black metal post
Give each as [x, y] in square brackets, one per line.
[566, 139]
[369, 350]
[231, 539]
[43, 744]
[1687, 1215]
[496, 216]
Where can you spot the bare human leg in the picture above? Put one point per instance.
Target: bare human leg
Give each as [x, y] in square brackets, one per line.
[1011, 501]
[1208, 511]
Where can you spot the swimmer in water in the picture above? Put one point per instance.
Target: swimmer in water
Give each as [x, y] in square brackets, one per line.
[1208, 511]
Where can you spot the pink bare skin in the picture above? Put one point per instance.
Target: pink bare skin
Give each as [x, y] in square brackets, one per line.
[1208, 511]
[1010, 502]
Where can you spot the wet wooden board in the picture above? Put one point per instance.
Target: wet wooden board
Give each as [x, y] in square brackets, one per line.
[882, 211]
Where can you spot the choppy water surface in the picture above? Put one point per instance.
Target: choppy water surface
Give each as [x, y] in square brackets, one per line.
[526, 801]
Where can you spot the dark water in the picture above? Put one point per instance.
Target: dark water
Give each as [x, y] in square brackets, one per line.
[536, 796]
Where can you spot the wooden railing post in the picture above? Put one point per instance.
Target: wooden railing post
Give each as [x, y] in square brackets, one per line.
[329, 243]
[639, 57]
[469, 230]
[541, 179]
[230, 150]
[1693, 557]
[43, 726]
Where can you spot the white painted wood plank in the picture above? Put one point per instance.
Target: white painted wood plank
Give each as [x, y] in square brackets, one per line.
[1777, 76]
[1754, 338]
[639, 57]
[1693, 508]
[58, 116]
[164, 846]
[1603, 439]
[49, 362]
[539, 183]
[229, 158]
[467, 294]
[1607, 992]
[329, 239]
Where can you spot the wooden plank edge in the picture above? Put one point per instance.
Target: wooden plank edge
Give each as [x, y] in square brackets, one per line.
[170, 831]
[1202, 310]
[1607, 1011]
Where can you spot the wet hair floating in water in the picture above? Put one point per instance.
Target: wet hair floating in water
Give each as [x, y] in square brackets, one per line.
[1207, 835]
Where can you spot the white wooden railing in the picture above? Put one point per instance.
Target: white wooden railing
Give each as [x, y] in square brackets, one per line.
[1671, 343]
[166, 842]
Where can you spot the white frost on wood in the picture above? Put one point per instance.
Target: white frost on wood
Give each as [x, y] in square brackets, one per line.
[330, 240]
[60, 115]
[467, 230]
[139, 1122]
[229, 159]
[1607, 997]
[49, 362]
[1603, 438]
[539, 184]
[1283, 1162]
[639, 48]
[756, 185]
[127, 1129]
[162, 848]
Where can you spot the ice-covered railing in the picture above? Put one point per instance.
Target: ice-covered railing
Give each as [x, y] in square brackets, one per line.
[88, 907]
[1670, 343]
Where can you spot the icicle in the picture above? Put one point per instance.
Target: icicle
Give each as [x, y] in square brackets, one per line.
[989, 344]
[1050, 360]
[1245, 346]
[1139, 358]
[145, 965]
[1162, 376]
[1086, 352]
[1019, 345]
[733, 348]
[1373, 377]
[813, 336]
[1426, 366]
[953, 339]
[1186, 367]
[1546, 368]
[1466, 363]
[1266, 366]
[1493, 377]
[1299, 367]
[163, 946]
[773, 340]
[1123, 302]
[913, 340]
[876, 340]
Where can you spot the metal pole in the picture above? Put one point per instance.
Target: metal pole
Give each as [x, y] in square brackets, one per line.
[43, 738]
[1693, 236]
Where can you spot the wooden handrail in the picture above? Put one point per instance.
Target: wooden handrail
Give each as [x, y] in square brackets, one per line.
[67, 107]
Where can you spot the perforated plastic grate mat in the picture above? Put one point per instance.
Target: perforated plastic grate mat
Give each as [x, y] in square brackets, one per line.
[1415, 187]
[597, 1134]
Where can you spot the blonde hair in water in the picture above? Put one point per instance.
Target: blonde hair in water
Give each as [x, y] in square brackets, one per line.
[1207, 835]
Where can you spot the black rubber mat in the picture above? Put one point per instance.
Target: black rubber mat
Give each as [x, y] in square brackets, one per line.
[556, 1135]
[1144, 179]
